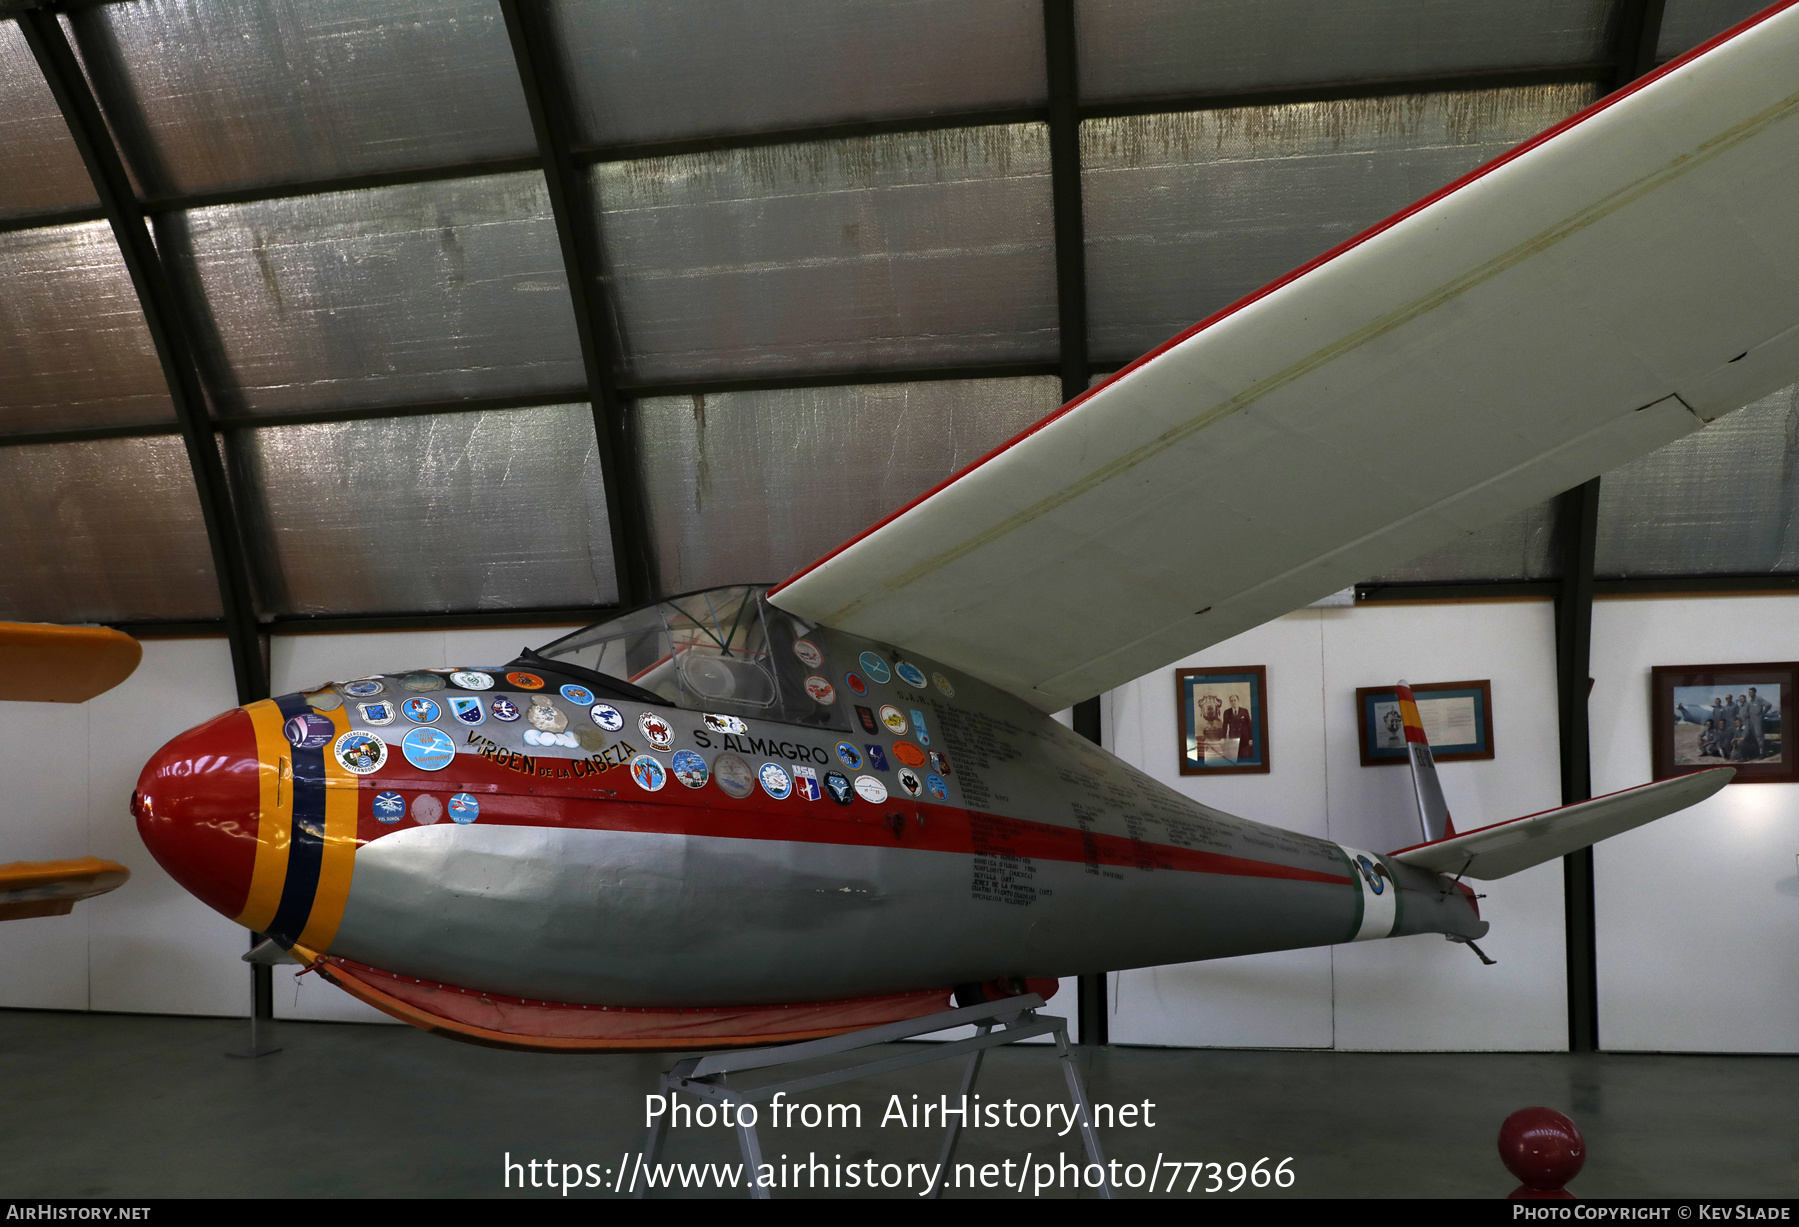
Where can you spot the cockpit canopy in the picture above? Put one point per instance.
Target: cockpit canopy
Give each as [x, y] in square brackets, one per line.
[723, 650]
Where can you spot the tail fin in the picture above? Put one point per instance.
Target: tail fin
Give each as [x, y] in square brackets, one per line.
[1433, 810]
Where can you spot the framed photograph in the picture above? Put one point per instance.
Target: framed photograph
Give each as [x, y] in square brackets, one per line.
[1724, 716]
[1457, 717]
[1223, 720]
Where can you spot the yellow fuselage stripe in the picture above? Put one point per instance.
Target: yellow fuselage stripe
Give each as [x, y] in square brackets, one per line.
[339, 857]
[274, 820]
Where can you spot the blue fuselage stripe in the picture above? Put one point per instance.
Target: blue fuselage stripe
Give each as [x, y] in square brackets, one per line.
[306, 849]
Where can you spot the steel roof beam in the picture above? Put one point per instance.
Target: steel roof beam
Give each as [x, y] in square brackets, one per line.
[1061, 62]
[60, 217]
[1065, 193]
[843, 130]
[163, 318]
[1336, 91]
[183, 202]
[412, 409]
[547, 98]
[321, 624]
[837, 379]
[1604, 72]
[83, 434]
[555, 396]
[1639, 29]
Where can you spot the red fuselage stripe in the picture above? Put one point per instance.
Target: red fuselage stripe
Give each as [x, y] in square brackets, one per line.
[921, 827]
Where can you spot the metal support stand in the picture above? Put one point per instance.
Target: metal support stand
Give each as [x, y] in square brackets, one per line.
[257, 1048]
[1016, 1019]
[261, 957]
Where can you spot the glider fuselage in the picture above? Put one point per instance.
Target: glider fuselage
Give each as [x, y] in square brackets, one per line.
[525, 834]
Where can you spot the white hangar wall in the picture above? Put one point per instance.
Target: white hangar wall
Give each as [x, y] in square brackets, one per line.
[1697, 914]
[67, 772]
[1273, 1000]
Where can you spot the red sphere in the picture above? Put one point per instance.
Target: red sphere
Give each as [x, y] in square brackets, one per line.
[1542, 1148]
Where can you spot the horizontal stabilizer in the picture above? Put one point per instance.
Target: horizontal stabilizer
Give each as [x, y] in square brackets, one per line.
[1506, 847]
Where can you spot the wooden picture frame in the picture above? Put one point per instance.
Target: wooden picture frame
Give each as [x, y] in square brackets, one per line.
[1211, 732]
[1455, 705]
[1756, 700]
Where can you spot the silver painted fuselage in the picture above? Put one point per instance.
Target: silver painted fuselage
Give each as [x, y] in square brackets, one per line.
[1045, 856]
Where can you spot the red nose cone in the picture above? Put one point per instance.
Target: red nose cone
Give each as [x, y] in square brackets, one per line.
[196, 806]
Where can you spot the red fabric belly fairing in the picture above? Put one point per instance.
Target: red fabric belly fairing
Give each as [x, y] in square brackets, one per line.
[508, 1022]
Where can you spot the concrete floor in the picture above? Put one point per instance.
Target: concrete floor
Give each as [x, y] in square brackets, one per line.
[127, 1106]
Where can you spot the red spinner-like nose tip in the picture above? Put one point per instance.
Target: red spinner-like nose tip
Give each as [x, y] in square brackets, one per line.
[196, 806]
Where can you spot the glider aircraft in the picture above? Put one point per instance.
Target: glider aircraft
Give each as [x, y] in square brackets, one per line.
[751, 815]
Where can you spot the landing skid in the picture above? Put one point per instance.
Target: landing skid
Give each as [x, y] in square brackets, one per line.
[1478, 952]
[1015, 1017]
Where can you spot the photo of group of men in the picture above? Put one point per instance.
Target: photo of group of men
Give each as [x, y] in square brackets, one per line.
[1718, 724]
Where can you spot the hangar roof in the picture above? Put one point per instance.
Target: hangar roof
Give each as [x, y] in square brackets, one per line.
[436, 307]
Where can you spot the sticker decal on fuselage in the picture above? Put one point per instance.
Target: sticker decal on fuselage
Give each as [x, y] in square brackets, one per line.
[1379, 895]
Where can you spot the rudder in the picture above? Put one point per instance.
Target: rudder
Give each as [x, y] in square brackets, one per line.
[1433, 809]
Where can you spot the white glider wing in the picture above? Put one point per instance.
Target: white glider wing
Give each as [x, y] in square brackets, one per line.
[1596, 293]
[1506, 847]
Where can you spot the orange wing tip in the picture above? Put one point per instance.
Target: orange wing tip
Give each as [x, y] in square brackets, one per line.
[53, 888]
[550, 1026]
[44, 663]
